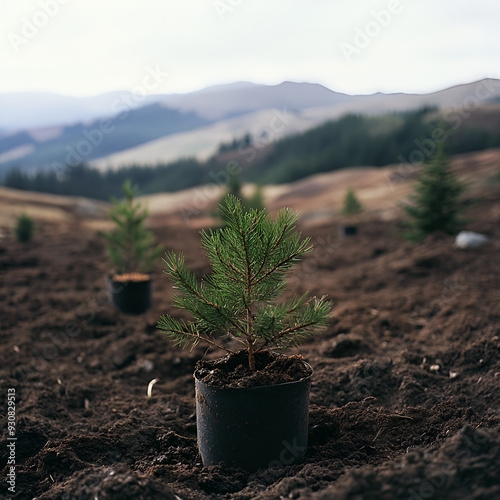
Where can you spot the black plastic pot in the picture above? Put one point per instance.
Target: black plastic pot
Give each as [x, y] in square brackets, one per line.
[348, 230]
[130, 297]
[254, 427]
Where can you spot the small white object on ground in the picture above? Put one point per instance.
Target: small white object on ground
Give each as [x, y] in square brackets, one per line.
[469, 239]
[150, 387]
[146, 365]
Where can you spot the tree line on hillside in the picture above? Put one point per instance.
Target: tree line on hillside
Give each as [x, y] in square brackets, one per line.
[356, 140]
[83, 180]
[436, 204]
[353, 140]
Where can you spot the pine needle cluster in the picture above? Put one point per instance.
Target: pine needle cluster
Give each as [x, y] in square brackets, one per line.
[251, 256]
[435, 203]
[130, 246]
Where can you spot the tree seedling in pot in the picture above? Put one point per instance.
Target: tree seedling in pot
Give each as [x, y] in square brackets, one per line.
[351, 207]
[131, 250]
[251, 256]
[248, 425]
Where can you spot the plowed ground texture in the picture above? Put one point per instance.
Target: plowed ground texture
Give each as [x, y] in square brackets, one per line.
[404, 398]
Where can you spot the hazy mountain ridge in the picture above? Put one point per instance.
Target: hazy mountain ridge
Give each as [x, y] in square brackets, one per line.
[30, 110]
[229, 100]
[85, 142]
[161, 128]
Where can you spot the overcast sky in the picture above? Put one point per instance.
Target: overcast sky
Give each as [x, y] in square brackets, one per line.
[86, 47]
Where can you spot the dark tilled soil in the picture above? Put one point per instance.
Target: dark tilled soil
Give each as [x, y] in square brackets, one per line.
[404, 397]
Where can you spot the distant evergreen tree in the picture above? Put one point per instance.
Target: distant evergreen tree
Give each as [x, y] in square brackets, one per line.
[352, 205]
[435, 203]
[234, 186]
[24, 228]
[130, 246]
[256, 201]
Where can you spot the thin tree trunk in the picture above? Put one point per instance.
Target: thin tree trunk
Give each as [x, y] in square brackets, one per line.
[251, 359]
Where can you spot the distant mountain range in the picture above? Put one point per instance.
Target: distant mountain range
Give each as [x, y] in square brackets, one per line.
[40, 130]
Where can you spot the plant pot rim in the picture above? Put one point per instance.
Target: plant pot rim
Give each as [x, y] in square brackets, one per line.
[110, 277]
[257, 387]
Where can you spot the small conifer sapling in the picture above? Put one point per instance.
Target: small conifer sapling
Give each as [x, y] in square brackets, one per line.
[24, 228]
[352, 205]
[250, 256]
[435, 203]
[130, 246]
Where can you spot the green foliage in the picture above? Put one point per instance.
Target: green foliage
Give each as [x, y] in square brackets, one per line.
[352, 140]
[352, 205]
[24, 228]
[130, 246]
[250, 256]
[435, 204]
[82, 180]
[244, 142]
[234, 188]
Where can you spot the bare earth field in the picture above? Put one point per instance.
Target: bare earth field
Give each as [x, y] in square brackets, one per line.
[404, 400]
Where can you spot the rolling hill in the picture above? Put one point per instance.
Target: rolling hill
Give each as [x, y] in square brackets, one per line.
[164, 128]
[318, 197]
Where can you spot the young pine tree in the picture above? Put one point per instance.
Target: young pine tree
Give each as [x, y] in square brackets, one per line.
[251, 256]
[352, 205]
[130, 246]
[24, 228]
[435, 203]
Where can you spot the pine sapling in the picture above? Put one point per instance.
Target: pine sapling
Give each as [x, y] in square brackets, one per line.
[352, 205]
[24, 228]
[435, 203]
[130, 246]
[250, 256]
